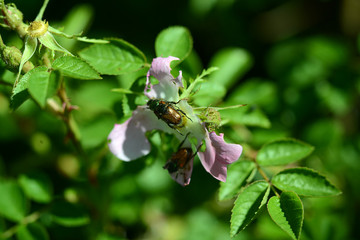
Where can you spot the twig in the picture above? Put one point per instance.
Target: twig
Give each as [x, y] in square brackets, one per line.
[27, 220]
[69, 121]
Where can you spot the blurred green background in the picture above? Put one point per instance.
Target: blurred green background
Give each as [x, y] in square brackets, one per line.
[304, 75]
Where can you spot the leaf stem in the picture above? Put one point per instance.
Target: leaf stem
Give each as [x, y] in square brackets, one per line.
[266, 178]
[252, 155]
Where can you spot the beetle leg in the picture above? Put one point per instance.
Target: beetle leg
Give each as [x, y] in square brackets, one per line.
[169, 124]
[183, 140]
[197, 149]
[179, 110]
[175, 102]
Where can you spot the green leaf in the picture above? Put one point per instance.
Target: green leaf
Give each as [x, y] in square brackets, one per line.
[288, 213]
[32, 231]
[232, 63]
[20, 92]
[77, 19]
[39, 87]
[282, 152]
[42, 10]
[174, 41]
[254, 91]
[125, 91]
[12, 201]
[304, 181]
[247, 115]
[38, 83]
[198, 80]
[208, 93]
[37, 187]
[49, 41]
[75, 68]
[116, 58]
[238, 173]
[96, 132]
[69, 215]
[248, 205]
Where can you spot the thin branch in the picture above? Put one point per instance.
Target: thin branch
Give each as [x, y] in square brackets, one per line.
[27, 220]
[69, 121]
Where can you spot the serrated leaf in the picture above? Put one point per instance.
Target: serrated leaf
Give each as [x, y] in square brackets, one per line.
[116, 58]
[20, 93]
[238, 173]
[287, 212]
[75, 68]
[304, 181]
[12, 201]
[19, 98]
[283, 151]
[69, 215]
[174, 41]
[38, 83]
[247, 205]
[37, 187]
[32, 231]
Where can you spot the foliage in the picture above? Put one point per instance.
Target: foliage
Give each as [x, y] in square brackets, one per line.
[289, 97]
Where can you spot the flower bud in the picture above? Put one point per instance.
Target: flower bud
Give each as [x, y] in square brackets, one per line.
[12, 17]
[12, 57]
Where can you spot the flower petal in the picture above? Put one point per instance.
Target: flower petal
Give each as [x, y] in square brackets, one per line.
[128, 140]
[218, 155]
[168, 86]
[183, 175]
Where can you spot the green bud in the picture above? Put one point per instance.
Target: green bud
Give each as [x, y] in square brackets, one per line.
[12, 58]
[13, 17]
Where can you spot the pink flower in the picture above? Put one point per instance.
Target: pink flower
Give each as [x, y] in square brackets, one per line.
[127, 141]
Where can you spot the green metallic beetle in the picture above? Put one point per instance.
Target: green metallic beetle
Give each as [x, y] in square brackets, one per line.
[168, 112]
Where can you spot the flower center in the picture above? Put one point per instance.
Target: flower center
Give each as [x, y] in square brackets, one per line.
[37, 28]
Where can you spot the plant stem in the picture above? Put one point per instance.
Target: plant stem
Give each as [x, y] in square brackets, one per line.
[73, 132]
[27, 220]
[266, 178]
[252, 154]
